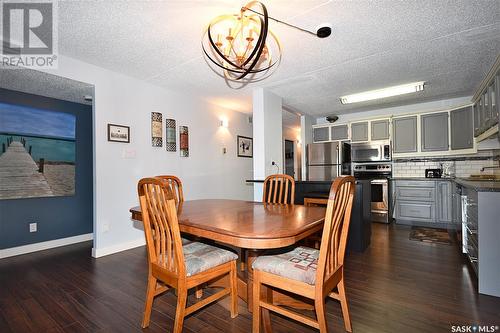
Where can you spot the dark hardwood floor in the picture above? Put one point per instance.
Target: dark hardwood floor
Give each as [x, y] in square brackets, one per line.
[397, 285]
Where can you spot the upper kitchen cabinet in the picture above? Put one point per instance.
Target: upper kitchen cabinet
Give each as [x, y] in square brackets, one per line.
[404, 134]
[477, 118]
[380, 129]
[434, 132]
[486, 108]
[359, 131]
[321, 134]
[497, 101]
[461, 128]
[339, 132]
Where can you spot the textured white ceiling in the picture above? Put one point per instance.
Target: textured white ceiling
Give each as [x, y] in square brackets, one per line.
[44, 84]
[449, 44]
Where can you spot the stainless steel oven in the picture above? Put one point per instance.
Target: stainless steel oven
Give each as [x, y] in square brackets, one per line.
[379, 174]
[370, 152]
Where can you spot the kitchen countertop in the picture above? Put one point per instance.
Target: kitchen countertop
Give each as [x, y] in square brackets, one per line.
[422, 178]
[478, 185]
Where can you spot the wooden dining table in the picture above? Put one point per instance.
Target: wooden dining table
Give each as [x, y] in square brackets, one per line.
[254, 226]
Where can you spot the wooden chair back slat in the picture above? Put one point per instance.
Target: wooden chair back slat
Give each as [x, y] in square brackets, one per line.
[336, 227]
[163, 239]
[175, 185]
[279, 189]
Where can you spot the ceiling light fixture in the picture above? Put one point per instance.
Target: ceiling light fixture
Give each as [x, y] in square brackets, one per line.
[383, 93]
[243, 46]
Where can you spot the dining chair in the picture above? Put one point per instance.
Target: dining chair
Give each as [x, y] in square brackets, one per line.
[308, 272]
[279, 189]
[179, 266]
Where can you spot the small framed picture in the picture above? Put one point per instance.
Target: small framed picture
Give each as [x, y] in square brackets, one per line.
[245, 146]
[118, 133]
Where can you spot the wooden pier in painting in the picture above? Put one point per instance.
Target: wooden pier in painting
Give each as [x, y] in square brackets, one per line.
[19, 176]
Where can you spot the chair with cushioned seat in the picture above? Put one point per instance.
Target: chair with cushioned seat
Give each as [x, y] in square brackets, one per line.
[176, 186]
[278, 189]
[308, 272]
[176, 265]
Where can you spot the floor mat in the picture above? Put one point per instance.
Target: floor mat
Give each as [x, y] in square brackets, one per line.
[430, 235]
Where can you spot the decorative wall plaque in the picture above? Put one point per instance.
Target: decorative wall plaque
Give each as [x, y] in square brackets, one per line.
[156, 129]
[170, 136]
[184, 141]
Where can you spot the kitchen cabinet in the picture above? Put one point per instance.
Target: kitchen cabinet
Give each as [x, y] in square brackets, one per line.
[339, 132]
[456, 205]
[497, 101]
[424, 202]
[359, 131]
[480, 230]
[477, 119]
[486, 108]
[404, 134]
[379, 129]
[461, 127]
[444, 201]
[495, 96]
[434, 132]
[321, 134]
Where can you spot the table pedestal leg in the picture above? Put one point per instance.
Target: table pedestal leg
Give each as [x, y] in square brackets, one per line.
[251, 256]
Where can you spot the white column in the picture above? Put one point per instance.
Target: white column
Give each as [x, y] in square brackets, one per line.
[267, 137]
[306, 123]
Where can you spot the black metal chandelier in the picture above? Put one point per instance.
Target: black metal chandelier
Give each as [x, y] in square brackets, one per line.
[242, 44]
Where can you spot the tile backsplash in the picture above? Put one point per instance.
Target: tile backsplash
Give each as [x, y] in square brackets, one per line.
[462, 168]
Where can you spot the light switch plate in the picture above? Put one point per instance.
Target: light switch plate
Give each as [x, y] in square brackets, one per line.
[129, 153]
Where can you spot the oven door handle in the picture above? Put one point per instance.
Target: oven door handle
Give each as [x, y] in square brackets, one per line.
[379, 181]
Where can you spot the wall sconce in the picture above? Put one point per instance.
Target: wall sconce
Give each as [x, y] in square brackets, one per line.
[224, 123]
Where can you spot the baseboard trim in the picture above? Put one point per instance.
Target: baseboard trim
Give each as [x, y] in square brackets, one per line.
[97, 253]
[24, 249]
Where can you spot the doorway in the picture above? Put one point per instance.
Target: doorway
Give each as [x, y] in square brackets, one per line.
[289, 158]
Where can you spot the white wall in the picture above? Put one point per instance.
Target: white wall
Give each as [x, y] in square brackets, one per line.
[206, 173]
[268, 138]
[306, 123]
[419, 107]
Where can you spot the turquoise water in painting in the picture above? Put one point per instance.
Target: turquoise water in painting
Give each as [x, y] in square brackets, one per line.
[51, 149]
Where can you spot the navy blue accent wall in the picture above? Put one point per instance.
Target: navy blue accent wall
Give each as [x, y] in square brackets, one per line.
[57, 217]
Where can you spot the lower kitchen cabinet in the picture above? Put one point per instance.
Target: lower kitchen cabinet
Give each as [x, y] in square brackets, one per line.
[424, 202]
[444, 204]
[480, 231]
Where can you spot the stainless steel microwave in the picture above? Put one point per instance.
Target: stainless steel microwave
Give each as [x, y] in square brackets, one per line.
[370, 152]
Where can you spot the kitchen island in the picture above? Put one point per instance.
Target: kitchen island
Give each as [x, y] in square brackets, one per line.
[360, 228]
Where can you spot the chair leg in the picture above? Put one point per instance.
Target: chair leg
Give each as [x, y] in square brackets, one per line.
[319, 304]
[345, 308]
[243, 259]
[150, 294]
[180, 310]
[233, 283]
[256, 301]
[265, 313]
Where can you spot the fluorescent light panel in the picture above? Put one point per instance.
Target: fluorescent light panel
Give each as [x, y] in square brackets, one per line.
[383, 93]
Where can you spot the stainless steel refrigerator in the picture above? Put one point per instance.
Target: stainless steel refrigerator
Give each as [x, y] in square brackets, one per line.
[328, 160]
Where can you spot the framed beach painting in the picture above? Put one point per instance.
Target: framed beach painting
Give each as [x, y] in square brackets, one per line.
[37, 152]
[245, 146]
[118, 133]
